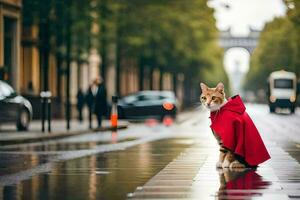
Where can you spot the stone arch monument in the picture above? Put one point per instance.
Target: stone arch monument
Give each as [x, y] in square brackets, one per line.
[228, 41]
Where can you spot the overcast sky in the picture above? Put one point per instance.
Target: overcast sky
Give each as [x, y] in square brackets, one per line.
[240, 14]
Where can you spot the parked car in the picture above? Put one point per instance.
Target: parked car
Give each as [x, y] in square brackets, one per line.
[148, 104]
[282, 90]
[14, 108]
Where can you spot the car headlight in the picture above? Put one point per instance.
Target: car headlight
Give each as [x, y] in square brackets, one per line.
[272, 98]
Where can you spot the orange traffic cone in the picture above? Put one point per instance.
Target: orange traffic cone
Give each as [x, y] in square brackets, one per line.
[114, 112]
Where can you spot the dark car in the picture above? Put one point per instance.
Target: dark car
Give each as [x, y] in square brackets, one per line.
[148, 104]
[14, 108]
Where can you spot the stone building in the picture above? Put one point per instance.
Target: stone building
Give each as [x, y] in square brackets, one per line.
[22, 67]
[10, 37]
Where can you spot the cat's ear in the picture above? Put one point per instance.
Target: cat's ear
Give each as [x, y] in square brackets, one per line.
[220, 87]
[203, 87]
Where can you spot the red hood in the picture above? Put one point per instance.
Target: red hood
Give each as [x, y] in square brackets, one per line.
[238, 132]
[235, 104]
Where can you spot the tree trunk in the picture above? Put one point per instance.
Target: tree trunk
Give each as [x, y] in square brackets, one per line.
[151, 78]
[175, 82]
[141, 74]
[44, 52]
[161, 79]
[68, 62]
[187, 94]
[103, 64]
[79, 63]
[103, 40]
[118, 65]
[58, 74]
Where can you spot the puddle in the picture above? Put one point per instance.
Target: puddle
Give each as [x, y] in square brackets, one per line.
[101, 176]
[63, 146]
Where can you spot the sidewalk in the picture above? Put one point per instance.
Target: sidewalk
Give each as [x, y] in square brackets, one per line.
[9, 134]
[192, 175]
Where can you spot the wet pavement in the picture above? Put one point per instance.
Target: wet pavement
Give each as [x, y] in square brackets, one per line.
[193, 175]
[153, 161]
[9, 134]
[102, 176]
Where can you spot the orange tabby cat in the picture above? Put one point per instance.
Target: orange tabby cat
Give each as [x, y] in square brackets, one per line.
[214, 99]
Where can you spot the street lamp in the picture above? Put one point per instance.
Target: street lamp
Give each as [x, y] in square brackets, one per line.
[68, 59]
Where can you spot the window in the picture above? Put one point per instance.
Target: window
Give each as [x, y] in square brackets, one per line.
[148, 97]
[5, 90]
[283, 83]
[130, 99]
[10, 48]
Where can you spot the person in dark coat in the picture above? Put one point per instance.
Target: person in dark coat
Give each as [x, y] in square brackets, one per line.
[80, 104]
[96, 101]
[99, 92]
[90, 101]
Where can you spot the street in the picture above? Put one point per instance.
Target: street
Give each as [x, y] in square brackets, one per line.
[106, 99]
[111, 165]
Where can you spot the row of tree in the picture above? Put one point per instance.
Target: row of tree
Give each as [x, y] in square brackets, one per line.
[172, 35]
[279, 48]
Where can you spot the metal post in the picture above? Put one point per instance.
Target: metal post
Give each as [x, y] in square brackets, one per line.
[49, 114]
[68, 35]
[43, 113]
[46, 99]
[90, 118]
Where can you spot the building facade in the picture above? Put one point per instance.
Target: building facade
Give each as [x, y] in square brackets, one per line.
[10, 37]
[22, 67]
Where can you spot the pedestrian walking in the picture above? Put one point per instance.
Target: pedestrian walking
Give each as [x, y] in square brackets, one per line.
[80, 104]
[90, 100]
[96, 101]
[99, 92]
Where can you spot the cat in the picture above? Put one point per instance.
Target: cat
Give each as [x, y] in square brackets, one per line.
[213, 99]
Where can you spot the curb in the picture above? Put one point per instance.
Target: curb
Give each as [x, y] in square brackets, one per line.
[59, 135]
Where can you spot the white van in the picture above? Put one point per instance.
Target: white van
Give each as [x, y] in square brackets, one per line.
[282, 90]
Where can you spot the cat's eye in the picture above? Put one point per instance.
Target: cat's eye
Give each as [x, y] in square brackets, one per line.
[213, 98]
[203, 98]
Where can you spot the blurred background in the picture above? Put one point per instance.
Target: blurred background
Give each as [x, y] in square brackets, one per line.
[62, 45]
[152, 56]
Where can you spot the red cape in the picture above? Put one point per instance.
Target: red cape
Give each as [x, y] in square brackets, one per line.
[238, 133]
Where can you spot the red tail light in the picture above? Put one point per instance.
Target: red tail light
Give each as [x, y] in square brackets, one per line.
[168, 106]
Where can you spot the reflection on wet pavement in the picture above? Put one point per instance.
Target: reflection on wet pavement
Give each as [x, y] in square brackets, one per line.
[149, 170]
[65, 146]
[247, 179]
[262, 183]
[233, 181]
[102, 176]
[193, 175]
[14, 163]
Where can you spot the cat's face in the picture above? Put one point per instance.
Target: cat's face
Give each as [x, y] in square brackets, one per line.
[212, 98]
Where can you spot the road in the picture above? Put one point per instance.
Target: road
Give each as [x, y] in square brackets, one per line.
[111, 165]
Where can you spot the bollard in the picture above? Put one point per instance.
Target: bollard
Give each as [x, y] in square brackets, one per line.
[49, 114]
[114, 113]
[90, 118]
[46, 109]
[43, 112]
